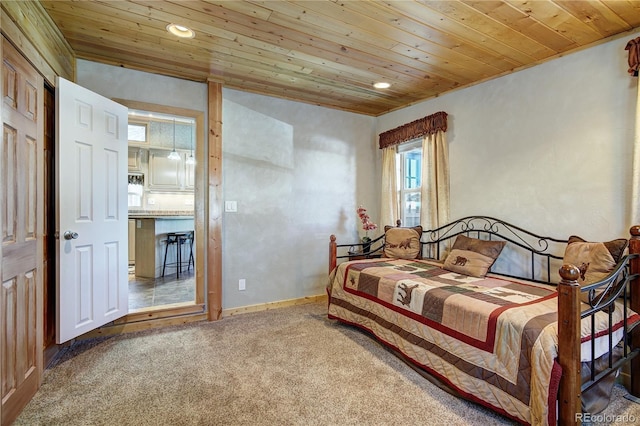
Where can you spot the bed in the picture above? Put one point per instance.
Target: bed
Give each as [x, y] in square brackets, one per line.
[535, 328]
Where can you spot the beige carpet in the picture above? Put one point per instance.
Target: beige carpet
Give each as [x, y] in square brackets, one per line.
[289, 366]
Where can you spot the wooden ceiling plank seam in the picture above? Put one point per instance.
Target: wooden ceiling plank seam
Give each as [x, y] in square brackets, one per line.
[51, 35]
[345, 14]
[396, 82]
[358, 60]
[14, 33]
[498, 35]
[124, 41]
[201, 27]
[452, 65]
[266, 71]
[382, 12]
[324, 53]
[596, 15]
[558, 19]
[244, 41]
[371, 76]
[92, 25]
[145, 12]
[242, 7]
[29, 15]
[463, 32]
[402, 61]
[516, 40]
[377, 29]
[629, 11]
[230, 50]
[524, 23]
[334, 48]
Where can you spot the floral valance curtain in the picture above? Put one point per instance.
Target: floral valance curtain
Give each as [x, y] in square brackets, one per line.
[422, 127]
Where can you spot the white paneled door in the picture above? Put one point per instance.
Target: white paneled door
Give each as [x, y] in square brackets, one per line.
[92, 223]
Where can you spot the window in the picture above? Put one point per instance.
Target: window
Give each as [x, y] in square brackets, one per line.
[410, 171]
[137, 132]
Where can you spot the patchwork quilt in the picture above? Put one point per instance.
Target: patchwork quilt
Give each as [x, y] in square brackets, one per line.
[492, 339]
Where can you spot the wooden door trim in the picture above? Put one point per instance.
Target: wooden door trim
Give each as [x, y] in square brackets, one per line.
[200, 212]
[214, 187]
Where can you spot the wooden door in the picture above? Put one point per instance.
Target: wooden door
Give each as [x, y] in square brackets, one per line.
[91, 190]
[21, 219]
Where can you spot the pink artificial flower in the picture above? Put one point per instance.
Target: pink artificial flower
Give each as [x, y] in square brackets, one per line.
[367, 225]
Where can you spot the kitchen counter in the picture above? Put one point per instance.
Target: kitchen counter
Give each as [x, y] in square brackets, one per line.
[150, 236]
[160, 213]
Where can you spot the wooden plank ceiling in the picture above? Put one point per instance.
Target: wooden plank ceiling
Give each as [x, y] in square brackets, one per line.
[330, 53]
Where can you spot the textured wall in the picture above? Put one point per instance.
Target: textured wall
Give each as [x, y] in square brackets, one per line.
[297, 173]
[548, 147]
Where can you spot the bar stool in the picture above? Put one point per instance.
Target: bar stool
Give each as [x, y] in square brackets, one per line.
[178, 239]
[188, 238]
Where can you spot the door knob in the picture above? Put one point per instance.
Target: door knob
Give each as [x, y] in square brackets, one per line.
[70, 235]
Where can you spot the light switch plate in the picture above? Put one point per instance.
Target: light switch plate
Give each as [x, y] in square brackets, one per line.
[230, 206]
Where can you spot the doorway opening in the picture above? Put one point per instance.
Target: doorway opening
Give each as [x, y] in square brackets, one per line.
[164, 166]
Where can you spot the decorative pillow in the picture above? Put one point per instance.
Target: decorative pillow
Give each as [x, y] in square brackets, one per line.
[595, 260]
[470, 256]
[402, 243]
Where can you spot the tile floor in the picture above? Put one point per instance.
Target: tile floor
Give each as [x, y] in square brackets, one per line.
[148, 292]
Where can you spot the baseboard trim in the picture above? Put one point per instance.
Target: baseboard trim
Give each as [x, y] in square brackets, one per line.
[113, 329]
[273, 305]
[147, 320]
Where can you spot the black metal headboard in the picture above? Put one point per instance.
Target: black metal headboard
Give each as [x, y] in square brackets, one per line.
[536, 250]
[527, 255]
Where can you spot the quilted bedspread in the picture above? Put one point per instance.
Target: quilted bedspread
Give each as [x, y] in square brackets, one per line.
[493, 340]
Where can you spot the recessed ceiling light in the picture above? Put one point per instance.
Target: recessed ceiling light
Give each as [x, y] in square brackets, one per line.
[181, 31]
[381, 85]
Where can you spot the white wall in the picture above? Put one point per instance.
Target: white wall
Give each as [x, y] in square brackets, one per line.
[548, 148]
[297, 172]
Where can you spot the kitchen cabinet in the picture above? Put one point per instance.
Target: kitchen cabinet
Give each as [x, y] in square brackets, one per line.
[135, 159]
[164, 173]
[132, 241]
[190, 175]
[170, 175]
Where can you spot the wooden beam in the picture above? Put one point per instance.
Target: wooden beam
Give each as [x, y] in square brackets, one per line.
[214, 234]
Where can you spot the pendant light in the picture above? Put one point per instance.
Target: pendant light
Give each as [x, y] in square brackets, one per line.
[173, 155]
[191, 160]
